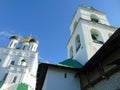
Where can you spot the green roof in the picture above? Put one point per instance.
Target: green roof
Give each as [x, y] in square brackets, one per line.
[1, 83]
[70, 63]
[22, 86]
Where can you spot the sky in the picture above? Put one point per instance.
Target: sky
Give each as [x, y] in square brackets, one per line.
[48, 21]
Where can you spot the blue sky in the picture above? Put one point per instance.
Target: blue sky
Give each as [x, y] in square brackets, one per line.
[48, 21]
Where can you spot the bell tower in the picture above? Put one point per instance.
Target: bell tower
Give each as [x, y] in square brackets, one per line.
[90, 29]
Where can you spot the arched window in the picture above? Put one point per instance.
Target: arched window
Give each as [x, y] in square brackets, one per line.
[96, 36]
[25, 47]
[94, 18]
[15, 44]
[71, 52]
[23, 62]
[77, 43]
[11, 43]
[14, 79]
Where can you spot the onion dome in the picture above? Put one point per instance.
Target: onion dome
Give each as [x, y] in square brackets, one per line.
[15, 37]
[27, 39]
[34, 40]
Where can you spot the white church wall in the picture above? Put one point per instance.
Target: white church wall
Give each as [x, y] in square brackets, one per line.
[23, 73]
[10, 77]
[85, 14]
[92, 47]
[34, 65]
[88, 48]
[60, 79]
[31, 81]
[76, 17]
[112, 83]
[81, 54]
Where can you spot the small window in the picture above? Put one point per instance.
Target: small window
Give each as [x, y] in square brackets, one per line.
[94, 18]
[31, 47]
[15, 44]
[11, 44]
[12, 62]
[77, 42]
[14, 79]
[34, 47]
[65, 75]
[0, 60]
[23, 62]
[23, 47]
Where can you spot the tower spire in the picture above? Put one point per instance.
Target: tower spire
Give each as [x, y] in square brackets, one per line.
[81, 3]
[30, 35]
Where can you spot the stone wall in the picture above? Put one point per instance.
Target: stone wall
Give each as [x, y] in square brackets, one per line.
[112, 83]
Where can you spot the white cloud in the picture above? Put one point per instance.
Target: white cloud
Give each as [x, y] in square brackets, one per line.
[41, 59]
[4, 37]
[6, 34]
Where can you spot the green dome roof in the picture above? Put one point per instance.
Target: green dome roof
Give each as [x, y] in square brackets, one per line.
[70, 63]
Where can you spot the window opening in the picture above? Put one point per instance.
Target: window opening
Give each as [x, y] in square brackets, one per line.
[94, 18]
[14, 79]
[11, 43]
[23, 47]
[23, 62]
[31, 47]
[77, 41]
[34, 47]
[96, 37]
[12, 62]
[65, 75]
[15, 44]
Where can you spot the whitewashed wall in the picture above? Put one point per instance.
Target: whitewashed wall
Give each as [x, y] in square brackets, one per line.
[55, 80]
[25, 74]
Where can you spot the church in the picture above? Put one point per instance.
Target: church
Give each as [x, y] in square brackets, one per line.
[93, 56]
[18, 64]
[93, 61]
